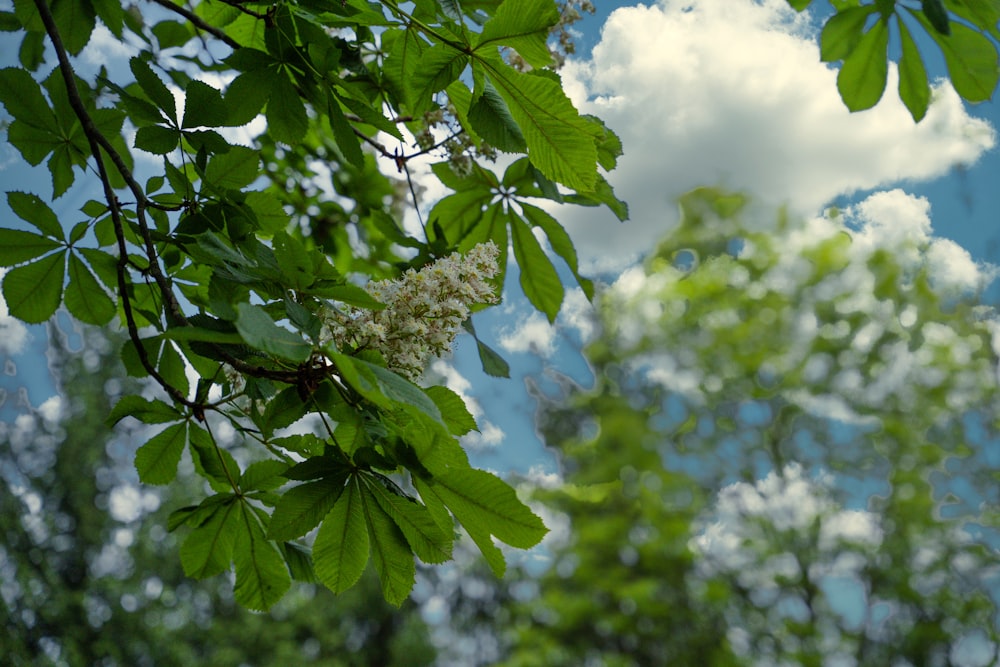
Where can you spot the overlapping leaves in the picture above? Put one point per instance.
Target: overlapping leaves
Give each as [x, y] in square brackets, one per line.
[858, 35]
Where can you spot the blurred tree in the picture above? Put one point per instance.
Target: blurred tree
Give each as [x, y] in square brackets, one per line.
[87, 578]
[788, 456]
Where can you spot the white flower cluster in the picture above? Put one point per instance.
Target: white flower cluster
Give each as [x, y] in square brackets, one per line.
[423, 310]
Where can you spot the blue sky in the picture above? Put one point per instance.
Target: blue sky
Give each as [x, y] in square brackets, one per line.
[714, 92]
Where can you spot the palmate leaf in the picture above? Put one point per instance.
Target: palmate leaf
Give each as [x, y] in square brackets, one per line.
[439, 66]
[33, 291]
[261, 574]
[340, 552]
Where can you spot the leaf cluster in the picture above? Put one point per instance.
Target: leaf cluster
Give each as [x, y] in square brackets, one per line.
[221, 260]
[858, 35]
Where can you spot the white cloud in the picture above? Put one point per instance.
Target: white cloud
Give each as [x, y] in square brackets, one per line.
[532, 333]
[733, 92]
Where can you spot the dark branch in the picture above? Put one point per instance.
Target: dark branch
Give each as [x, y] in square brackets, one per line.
[199, 22]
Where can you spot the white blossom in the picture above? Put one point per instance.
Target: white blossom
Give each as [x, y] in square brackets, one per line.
[423, 310]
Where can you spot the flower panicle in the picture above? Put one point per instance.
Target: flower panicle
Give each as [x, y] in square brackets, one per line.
[423, 310]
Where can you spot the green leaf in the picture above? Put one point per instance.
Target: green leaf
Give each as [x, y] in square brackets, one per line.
[559, 141]
[862, 78]
[147, 411]
[559, 240]
[491, 119]
[32, 209]
[33, 291]
[17, 246]
[343, 133]
[170, 34]
[154, 87]
[203, 106]
[156, 139]
[439, 66]
[208, 550]
[75, 22]
[383, 387]
[913, 87]
[233, 170]
[34, 144]
[302, 508]
[85, 298]
[842, 32]
[493, 364]
[481, 536]
[299, 562]
[156, 461]
[212, 462]
[22, 96]
[523, 25]
[247, 95]
[937, 15]
[389, 551]
[286, 115]
[261, 575]
[260, 331]
[425, 537]
[271, 215]
[283, 410]
[539, 279]
[480, 499]
[265, 475]
[971, 58]
[453, 409]
[340, 552]
[603, 193]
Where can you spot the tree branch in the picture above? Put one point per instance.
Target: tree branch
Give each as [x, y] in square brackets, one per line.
[199, 22]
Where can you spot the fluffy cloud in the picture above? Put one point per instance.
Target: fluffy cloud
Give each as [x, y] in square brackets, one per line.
[532, 333]
[733, 93]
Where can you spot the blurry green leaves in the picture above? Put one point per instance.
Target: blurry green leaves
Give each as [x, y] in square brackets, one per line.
[862, 44]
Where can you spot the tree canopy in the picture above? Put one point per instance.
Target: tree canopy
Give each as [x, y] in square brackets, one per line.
[262, 266]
